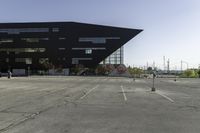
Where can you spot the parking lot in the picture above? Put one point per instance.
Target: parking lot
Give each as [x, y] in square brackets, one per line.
[98, 105]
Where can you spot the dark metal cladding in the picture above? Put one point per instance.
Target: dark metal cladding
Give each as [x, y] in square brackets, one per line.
[65, 44]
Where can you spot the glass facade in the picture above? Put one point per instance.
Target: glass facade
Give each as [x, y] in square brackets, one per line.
[115, 58]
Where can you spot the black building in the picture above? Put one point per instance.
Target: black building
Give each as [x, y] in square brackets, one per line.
[42, 45]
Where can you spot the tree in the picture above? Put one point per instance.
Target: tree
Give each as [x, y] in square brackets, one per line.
[101, 70]
[135, 71]
[149, 69]
[110, 68]
[198, 72]
[45, 64]
[190, 73]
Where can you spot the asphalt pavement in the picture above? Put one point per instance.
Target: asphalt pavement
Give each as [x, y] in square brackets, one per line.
[75, 104]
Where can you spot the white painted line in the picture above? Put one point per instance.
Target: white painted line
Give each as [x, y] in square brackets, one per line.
[125, 98]
[89, 91]
[165, 97]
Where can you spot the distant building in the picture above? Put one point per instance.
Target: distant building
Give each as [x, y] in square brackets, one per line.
[47, 45]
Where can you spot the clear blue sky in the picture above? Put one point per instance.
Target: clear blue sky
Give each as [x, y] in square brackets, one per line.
[171, 27]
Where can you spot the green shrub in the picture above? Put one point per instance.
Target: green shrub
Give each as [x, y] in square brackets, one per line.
[190, 73]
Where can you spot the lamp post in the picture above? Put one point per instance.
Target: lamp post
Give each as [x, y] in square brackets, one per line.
[153, 87]
[175, 74]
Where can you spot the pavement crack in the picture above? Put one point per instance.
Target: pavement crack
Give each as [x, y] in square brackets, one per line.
[25, 119]
[13, 124]
[189, 107]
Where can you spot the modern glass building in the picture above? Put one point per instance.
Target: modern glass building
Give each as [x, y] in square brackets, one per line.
[115, 58]
[47, 45]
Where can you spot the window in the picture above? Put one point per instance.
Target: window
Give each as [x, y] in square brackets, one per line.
[89, 48]
[76, 60]
[55, 29]
[34, 40]
[62, 38]
[6, 41]
[20, 50]
[30, 39]
[88, 51]
[23, 30]
[24, 60]
[61, 48]
[97, 40]
[35, 50]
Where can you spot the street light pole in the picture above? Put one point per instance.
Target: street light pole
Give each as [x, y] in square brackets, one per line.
[153, 87]
[175, 74]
